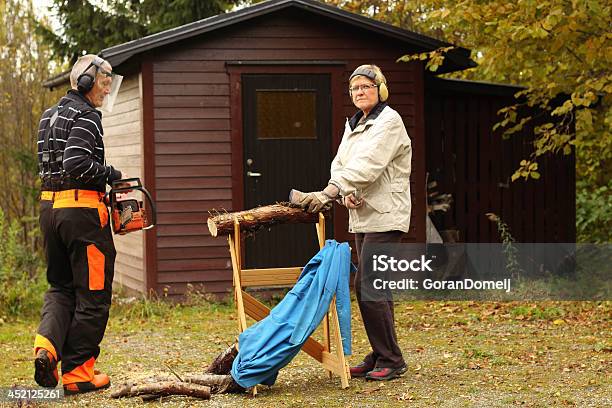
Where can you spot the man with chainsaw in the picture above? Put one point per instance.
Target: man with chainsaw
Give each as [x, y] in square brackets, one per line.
[75, 226]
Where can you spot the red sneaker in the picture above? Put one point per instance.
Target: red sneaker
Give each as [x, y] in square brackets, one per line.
[361, 369]
[386, 373]
[45, 369]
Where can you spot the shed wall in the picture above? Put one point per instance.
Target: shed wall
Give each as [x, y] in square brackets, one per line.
[123, 146]
[193, 143]
[474, 163]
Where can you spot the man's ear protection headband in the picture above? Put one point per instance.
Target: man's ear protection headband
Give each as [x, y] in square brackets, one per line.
[85, 81]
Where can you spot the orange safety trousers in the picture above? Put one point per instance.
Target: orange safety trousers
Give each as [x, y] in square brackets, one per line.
[80, 256]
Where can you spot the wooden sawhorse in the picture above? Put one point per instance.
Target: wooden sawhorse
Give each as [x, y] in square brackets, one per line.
[331, 359]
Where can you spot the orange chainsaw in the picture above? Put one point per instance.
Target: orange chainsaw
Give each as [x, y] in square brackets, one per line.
[129, 214]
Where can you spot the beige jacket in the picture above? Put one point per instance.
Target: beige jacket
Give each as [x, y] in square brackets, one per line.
[374, 160]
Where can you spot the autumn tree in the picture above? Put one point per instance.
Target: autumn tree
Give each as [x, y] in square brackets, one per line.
[560, 51]
[24, 64]
[89, 27]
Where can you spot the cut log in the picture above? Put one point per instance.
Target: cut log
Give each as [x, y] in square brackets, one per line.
[222, 364]
[162, 386]
[219, 384]
[161, 389]
[258, 218]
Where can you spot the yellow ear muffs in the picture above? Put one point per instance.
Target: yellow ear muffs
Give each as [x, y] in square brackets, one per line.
[383, 92]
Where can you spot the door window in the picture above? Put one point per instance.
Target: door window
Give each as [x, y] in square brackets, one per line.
[286, 114]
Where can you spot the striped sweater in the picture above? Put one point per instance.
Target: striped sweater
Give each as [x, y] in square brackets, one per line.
[77, 138]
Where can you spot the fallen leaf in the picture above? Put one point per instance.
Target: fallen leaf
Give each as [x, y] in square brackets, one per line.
[558, 322]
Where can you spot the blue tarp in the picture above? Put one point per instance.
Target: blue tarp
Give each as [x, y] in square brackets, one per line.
[271, 343]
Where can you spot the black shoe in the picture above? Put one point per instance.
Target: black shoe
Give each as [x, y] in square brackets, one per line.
[361, 369]
[45, 369]
[386, 373]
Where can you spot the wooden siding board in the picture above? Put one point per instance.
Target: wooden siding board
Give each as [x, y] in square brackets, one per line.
[185, 101]
[497, 176]
[184, 218]
[192, 124]
[200, 229]
[128, 269]
[122, 129]
[192, 148]
[190, 78]
[192, 159]
[176, 265]
[192, 113]
[128, 282]
[193, 252]
[190, 195]
[209, 275]
[199, 182]
[484, 162]
[187, 241]
[472, 158]
[192, 136]
[195, 171]
[449, 164]
[191, 89]
[193, 206]
[125, 140]
[181, 67]
[460, 168]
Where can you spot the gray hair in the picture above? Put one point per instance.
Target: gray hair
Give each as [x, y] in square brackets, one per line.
[380, 77]
[79, 67]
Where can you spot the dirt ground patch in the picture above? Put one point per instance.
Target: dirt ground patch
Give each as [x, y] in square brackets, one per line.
[459, 354]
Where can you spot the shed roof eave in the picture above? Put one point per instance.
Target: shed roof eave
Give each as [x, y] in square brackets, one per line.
[118, 54]
[58, 80]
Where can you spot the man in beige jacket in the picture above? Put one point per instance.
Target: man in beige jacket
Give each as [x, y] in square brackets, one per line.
[370, 176]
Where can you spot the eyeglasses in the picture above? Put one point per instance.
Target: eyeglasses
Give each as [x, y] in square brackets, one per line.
[105, 73]
[363, 88]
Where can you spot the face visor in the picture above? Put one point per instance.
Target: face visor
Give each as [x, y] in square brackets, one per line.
[111, 97]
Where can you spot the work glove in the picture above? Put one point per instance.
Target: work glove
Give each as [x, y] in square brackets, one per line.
[315, 201]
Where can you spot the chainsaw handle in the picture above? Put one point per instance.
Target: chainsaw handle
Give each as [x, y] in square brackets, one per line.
[138, 186]
[116, 189]
[153, 208]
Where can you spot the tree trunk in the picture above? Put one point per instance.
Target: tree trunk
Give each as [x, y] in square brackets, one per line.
[255, 219]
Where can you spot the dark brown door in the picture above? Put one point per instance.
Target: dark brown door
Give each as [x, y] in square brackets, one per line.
[287, 144]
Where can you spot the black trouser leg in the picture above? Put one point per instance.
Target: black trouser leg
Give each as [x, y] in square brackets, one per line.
[59, 301]
[378, 315]
[92, 258]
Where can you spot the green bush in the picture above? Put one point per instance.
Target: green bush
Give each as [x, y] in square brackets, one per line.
[22, 282]
[593, 213]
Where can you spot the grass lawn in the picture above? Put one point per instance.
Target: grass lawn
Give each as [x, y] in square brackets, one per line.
[459, 354]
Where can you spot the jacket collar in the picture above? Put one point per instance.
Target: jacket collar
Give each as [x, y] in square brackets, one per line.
[78, 97]
[373, 114]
